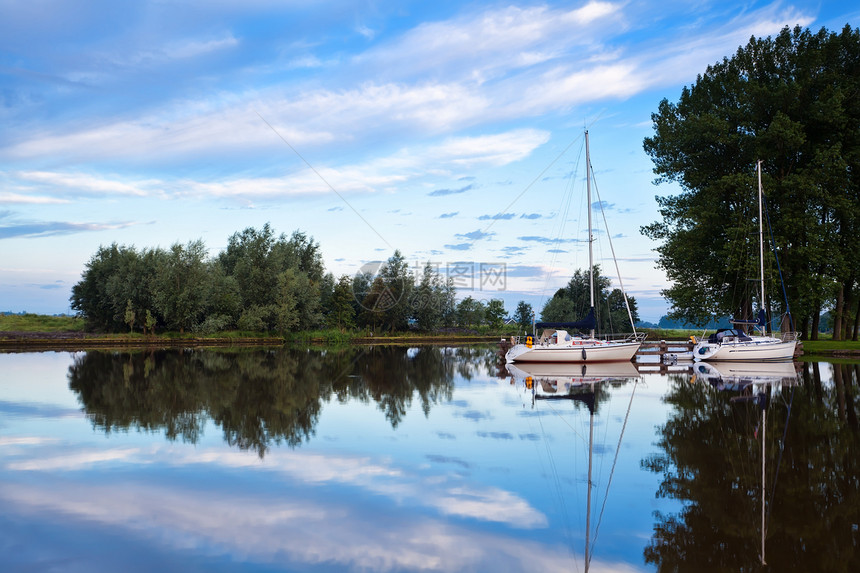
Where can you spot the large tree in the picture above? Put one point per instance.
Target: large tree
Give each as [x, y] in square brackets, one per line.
[793, 102]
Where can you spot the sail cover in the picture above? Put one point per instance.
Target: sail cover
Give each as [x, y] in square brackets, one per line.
[587, 323]
[761, 321]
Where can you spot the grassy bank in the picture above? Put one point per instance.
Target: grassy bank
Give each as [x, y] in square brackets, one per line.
[40, 323]
[35, 330]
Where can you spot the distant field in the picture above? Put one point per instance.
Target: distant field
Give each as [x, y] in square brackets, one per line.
[40, 323]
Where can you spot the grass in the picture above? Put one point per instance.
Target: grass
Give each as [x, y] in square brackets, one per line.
[829, 346]
[40, 323]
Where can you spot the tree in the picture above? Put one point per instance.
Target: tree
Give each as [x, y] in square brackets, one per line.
[182, 285]
[399, 283]
[791, 102]
[129, 316]
[428, 300]
[386, 297]
[341, 312]
[523, 314]
[495, 313]
[573, 301]
[470, 312]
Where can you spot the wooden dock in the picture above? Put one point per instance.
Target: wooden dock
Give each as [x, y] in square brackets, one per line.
[665, 347]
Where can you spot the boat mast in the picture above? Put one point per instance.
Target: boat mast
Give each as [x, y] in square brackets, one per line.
[763, 522]
[760, 239]
[590, 236]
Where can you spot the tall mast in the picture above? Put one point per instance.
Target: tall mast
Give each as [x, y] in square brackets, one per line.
[760, 236]
[590, 236]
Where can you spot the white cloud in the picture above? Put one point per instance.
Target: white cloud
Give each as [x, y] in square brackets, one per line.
[84, 184]
[6, 197]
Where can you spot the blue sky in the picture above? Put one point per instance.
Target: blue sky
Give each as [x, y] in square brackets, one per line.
[448, 130]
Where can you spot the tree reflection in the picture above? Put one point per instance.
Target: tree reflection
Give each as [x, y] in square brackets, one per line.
[259, 398]
[711, 460]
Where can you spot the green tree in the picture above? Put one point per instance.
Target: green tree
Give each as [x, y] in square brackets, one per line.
[341, 311]
[573, 301]
[791, 102]
[129, 316]
[495, 313]
[182, 285]
[428, 300]
[523, 314]
[399, 284]
[470, 312]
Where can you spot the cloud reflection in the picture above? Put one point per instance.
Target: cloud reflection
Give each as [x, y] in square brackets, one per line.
[448, 494]
[269, 528]
[283, 532]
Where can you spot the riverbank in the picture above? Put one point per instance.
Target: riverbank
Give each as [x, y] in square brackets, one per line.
[37, 332]
[74, 341]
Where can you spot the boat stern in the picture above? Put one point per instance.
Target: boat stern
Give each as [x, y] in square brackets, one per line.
[705, 350]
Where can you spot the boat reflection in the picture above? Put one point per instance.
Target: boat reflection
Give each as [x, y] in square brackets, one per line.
[583, 384]
[739, 375]
[550, 379]
[756, 384]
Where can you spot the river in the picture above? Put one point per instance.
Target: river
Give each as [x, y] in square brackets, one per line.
[389, 458]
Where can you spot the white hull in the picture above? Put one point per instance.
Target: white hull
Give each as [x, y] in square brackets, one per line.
[587, 352]
[756, 350]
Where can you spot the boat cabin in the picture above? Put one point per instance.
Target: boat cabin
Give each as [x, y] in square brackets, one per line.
[728, 335]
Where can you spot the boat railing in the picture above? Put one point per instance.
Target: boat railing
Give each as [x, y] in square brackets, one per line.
[789, 337]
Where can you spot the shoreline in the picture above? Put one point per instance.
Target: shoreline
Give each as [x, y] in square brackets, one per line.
[80, 341]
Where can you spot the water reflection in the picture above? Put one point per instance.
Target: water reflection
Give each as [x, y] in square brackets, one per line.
[765, 463]
[431, 459]
[260, 398]
[580, 384]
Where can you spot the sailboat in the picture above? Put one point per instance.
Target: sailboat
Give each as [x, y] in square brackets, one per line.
[556, 344]
[733, 343]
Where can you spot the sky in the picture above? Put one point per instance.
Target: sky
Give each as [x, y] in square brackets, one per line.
[451, 131]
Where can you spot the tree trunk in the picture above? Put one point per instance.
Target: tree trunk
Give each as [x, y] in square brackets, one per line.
[816, 318]
[837, 313]
[847, 306]
[804, 328]
[856, 321]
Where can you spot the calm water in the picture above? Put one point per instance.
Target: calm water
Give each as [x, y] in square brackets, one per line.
[420, 459]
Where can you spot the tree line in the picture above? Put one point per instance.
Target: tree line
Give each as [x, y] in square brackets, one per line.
[793, 102]
[263, 282]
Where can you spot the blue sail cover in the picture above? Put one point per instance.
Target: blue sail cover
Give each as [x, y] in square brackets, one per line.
[761, 321]
[587, 323]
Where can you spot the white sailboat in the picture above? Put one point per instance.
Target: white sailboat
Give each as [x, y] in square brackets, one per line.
[556, 344]
[734, 344]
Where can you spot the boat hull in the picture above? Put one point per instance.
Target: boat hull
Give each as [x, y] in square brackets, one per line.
[752, 351]
[607, 352]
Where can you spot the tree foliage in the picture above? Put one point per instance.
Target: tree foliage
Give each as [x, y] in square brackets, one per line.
[793, 102]
[523, 314]
[573, 301]
[265, 282]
